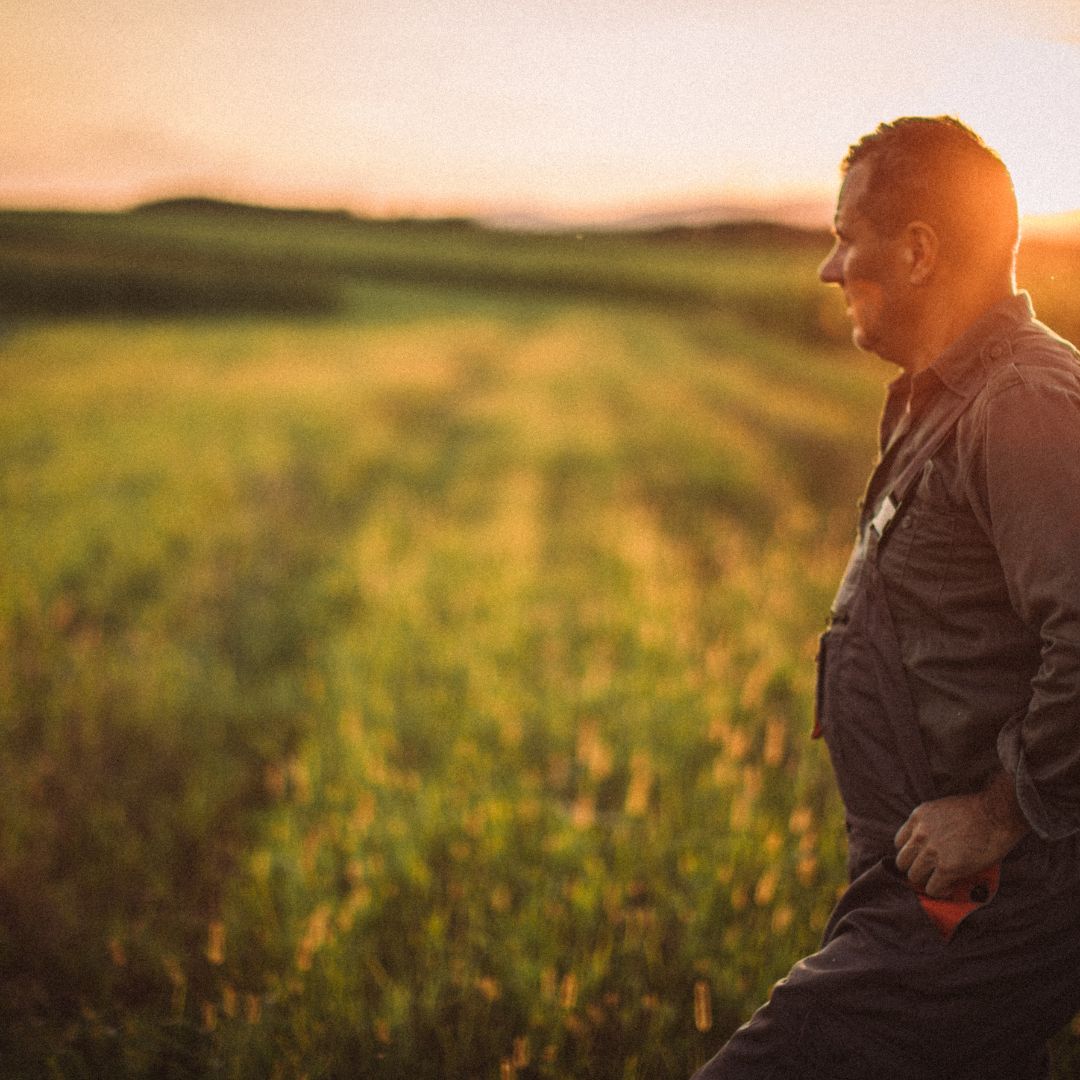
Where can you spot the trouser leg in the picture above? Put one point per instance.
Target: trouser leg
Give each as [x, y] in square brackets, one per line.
[760, 1050]
[887, 998]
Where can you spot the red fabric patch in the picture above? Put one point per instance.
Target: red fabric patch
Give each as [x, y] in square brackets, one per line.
[967, 895]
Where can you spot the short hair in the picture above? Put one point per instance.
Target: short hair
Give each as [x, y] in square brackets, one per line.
[936, 169]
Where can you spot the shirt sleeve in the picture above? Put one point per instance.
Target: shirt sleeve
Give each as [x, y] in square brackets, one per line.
[1031, 486]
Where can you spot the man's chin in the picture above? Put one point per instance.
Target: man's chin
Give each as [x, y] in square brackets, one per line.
[861, 340]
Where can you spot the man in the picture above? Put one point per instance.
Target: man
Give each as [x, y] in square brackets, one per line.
[949, 678]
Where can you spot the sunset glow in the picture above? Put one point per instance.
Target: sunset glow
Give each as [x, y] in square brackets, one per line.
[489, 105]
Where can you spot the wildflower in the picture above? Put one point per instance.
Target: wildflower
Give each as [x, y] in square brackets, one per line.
[703, 1020]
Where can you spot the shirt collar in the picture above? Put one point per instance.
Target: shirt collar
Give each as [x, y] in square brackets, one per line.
[963, 364]
[985, 341]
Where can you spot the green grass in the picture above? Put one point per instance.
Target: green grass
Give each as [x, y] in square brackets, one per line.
[420, 689]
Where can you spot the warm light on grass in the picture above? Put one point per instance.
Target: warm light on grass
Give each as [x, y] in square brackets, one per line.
[424, 695]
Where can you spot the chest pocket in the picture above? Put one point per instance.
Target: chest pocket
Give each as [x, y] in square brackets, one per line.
[938, 551]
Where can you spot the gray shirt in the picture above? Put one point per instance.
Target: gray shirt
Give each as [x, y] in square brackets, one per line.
[982, 567]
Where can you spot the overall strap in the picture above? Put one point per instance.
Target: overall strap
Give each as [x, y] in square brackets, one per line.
[971, 893]
[893, 685]
[893, 499]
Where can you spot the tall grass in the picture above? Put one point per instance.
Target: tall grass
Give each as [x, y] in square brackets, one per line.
[418, 692]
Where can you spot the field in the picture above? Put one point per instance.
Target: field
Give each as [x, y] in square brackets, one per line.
[406, 641]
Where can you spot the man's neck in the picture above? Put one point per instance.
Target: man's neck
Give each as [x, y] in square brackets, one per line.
[947, 320]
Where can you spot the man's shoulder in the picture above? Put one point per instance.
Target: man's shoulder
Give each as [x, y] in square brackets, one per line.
[1033, 343]
[1032, 354]
[1027, 370]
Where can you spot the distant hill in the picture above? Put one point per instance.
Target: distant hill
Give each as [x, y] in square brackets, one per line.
[225, 209]
[201, 205]
[805, 214]
[702, 225]
[706, 224]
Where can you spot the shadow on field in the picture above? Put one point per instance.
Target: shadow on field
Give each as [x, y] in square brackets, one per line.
[151, 687]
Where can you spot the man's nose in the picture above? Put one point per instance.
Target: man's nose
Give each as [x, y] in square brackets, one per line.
[831, 271]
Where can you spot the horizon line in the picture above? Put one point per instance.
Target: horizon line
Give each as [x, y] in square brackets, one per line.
[800, 211]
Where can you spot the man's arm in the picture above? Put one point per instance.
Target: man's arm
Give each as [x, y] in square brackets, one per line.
[1025, 483]
[947, 840]
[1024, 488]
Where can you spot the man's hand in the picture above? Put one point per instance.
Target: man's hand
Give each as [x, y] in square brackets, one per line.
[947, 840]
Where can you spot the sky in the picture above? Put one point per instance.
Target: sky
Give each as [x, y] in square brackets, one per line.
[578, 109]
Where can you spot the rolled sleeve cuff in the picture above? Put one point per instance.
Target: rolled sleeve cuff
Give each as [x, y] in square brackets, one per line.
[1049, 821]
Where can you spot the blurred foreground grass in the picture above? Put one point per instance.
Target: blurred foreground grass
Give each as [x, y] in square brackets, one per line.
[419, 687]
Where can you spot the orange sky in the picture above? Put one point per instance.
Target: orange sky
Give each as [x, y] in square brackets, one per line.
[561, 106]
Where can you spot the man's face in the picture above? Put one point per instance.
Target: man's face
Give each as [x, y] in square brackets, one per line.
[871, 269]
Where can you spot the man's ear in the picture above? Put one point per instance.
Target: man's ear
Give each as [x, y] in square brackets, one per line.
[921, 248]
